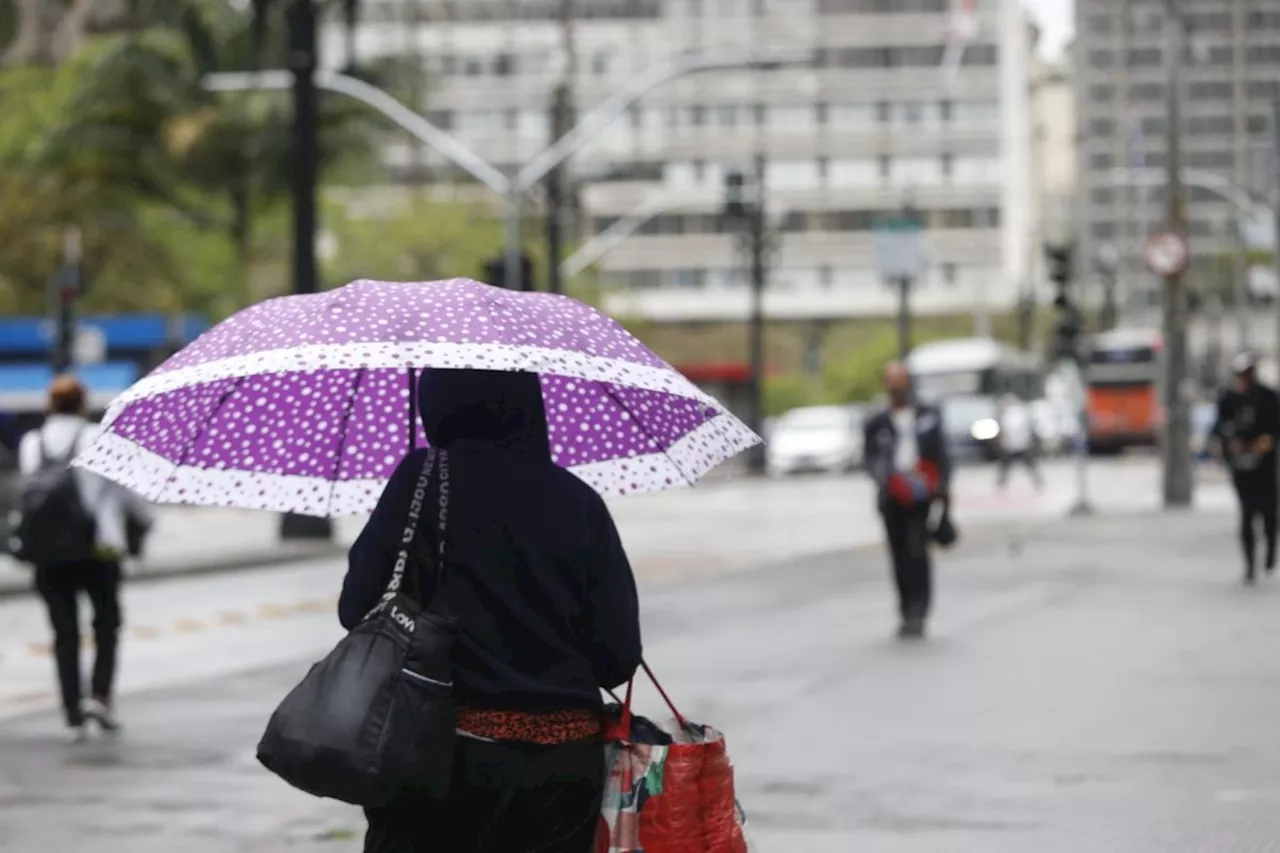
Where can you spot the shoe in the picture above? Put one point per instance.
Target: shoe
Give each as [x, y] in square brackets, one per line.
[78, 734]
[1250, 579]
[911, 629]
[100, 712]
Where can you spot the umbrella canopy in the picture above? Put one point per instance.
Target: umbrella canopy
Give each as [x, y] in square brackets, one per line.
[304, 403]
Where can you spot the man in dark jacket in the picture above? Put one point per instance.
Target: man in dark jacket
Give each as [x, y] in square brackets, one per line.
[546, 599]
[1248, 428]
[906, 453]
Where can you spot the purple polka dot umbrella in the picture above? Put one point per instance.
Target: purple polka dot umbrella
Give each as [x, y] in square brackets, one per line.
[303, 403]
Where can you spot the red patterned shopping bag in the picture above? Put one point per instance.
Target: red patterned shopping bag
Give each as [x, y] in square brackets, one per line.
[673, 793]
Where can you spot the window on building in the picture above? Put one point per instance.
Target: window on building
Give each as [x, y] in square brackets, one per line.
[1260, 54]
[1102, 92]
[1208, 22]
[600, 64]
[1153, 126]
[884, 112]
[689, 278]
[1144, 57]
[946, 164]
[1221, 160]
[1211, 90]
[945, 110]
[886, 167]
[1258, 124]
[1146, 92]
[504, 65]
[1103, 230]
[473, 66]
[1102, 127]
[791, 118]
[792, 174]
[949, 274]
[1101, 59]
[1100, 24]
[976, 169]
[916, 171]
[977, 113]
[1210, 125]
[1102, 195]
[847, 173]
[1101, 161]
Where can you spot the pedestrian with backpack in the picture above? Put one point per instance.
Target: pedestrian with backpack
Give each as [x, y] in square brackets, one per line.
[73, 530]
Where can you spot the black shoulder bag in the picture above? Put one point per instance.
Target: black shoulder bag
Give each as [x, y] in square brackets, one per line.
[376, 718]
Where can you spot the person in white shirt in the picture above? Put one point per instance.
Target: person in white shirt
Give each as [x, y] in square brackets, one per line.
[65, 433]
[1017, 439]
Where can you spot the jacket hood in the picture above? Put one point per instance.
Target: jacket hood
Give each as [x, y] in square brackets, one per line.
[498, 407]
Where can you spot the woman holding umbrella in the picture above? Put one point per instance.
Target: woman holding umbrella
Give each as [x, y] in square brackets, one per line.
[541, 405]
[540, 583]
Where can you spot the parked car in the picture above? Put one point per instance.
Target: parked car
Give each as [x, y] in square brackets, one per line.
[815, 439]
[973, 426]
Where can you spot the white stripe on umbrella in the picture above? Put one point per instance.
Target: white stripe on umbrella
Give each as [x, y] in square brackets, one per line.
[374, 356]
[157, 479]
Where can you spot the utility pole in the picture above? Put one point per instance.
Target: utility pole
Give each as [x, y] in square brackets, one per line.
[1177, 484]
[1108, 272]
[745, 206]
[1275, 195]
[899, 256]
[562, 121]
[1068, 355]
[306, 168]
[65, 289]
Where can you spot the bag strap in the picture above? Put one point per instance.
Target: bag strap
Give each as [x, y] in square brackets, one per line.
[47, 460]
[438, 460]
[625, 723]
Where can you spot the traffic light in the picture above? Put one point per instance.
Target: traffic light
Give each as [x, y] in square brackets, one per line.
[495, 272]
[1068, 330]
[1059, 260]
[735, 201]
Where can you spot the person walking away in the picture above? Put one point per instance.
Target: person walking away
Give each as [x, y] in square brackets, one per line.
[1247, 429]
[1017, 441]
[73, 531]
[908, 458]
[546, 600]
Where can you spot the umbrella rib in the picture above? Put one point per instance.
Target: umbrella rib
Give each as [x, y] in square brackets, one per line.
[608, 389]
[222, 401]
[342, 438]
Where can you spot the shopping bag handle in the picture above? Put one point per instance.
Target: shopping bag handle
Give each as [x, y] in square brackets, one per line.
[624, 724]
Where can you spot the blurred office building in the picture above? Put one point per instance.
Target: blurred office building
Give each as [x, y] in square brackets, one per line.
[1230, 74]
[920, 102]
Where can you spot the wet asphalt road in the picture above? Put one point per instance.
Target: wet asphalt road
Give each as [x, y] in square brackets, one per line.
[1093, 686]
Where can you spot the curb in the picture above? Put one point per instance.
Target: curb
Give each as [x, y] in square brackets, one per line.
[264, 559]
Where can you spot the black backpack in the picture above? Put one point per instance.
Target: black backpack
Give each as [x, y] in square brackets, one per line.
[54, 528]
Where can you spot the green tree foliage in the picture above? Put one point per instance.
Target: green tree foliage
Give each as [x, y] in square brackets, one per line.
[181, 194]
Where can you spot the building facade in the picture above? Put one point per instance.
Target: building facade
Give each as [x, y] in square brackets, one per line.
[874, 123]
[1230, 77]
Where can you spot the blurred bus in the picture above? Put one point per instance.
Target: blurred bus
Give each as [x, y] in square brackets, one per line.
[973, 367]
[1122, 378]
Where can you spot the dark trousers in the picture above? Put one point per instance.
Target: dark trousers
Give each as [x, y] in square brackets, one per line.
[1258, 499]
[60, 587]
[505, 798]
[1023, 457]
[908, 530]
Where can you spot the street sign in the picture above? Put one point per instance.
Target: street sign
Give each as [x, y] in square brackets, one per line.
[1166, 253]
[899, 247]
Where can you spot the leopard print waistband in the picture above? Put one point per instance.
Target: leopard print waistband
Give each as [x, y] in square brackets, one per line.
[545, 729]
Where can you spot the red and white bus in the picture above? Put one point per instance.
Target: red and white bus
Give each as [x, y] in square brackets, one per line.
[1123, 380]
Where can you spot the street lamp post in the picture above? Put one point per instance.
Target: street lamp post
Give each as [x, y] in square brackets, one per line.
[514, 189]
[1177, 480]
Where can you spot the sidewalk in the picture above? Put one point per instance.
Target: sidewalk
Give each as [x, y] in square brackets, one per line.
[728, 524]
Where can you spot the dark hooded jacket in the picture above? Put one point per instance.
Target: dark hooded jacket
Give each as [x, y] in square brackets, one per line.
[535, 571]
